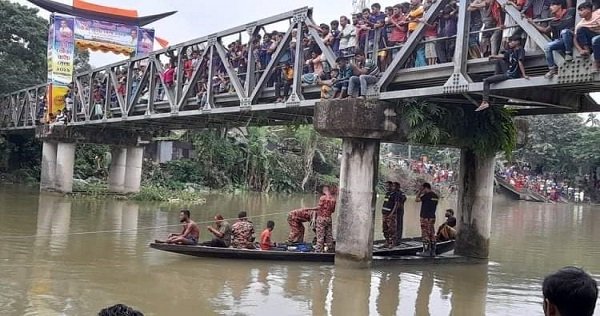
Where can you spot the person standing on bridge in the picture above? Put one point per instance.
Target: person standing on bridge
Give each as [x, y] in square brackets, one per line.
[508, 66]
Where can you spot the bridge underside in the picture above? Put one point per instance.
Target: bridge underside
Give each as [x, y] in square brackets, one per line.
[135, 97]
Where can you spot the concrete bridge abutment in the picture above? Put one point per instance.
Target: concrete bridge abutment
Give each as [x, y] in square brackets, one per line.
[362, 124]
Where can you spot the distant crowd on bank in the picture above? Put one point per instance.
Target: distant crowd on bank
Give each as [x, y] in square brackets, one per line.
[551, 186]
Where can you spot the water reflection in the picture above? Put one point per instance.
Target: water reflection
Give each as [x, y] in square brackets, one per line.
[53, 223]
[351, 291]
[388, 291]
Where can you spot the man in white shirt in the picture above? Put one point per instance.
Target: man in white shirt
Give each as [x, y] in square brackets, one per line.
[347, 37]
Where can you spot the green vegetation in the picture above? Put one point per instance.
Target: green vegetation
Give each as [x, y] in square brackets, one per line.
[23, 47]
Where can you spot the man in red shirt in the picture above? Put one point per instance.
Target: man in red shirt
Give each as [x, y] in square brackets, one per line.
[265, 236]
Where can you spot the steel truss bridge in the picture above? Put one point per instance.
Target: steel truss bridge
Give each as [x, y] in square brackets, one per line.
[252, 101]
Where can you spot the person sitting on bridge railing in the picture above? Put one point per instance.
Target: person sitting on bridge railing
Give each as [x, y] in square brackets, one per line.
[508, 66]
[561, 28]
[368, 75]
[340, 87]
[587, 32]
[285, 81]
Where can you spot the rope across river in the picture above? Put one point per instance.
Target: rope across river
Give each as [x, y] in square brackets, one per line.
[14, 237]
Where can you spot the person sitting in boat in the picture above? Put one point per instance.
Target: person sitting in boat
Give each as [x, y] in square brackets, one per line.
[222, 233]
[446, 231]
[242, 232]
[265, 237]
[189, 235]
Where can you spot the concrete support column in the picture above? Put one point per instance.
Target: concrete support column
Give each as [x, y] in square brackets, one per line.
[48, 172]
[362, 124]
[475, 194]
[116, 173]
[65, 159]
[133, 169]
[357, 198]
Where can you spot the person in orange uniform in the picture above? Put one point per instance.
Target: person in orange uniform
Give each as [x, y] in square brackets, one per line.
[265, 237]
[324, 223]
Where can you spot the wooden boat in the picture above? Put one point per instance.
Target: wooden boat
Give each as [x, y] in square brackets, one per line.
[408, 247]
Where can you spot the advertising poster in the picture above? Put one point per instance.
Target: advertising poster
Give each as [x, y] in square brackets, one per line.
[145, 42]
[106, 36]
[61, 57]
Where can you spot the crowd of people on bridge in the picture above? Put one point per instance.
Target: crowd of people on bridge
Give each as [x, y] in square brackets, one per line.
[363, 45]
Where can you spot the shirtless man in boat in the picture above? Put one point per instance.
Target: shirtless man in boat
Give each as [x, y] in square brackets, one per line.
[189, 235]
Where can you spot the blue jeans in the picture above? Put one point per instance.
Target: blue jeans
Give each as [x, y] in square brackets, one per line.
[590, 40]
[564, 43]
[363, 81]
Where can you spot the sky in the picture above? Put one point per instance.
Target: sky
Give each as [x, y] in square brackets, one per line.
[198, 18]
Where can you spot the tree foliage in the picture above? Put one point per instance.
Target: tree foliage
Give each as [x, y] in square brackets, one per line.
[263, 159]
[552, 142]
[82, 60]
[23, 47]
[486, 133]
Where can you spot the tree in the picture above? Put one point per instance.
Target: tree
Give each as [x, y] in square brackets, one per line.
[23, 47]
[82, 60]
[549, 145]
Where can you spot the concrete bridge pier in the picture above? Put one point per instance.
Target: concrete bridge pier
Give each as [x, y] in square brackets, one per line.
[361, 124]
[58, 159]
[116, 173]
[133, 169]
[48, 171]
[65, 159]
[474, 211]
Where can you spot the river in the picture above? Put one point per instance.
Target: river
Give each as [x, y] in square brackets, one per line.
[60, 256]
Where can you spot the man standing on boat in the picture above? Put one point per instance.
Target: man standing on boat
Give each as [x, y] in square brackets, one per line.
[242, 232]
[429, 201]
[324, 223]
[222, 233]
[388, 211]
[189, 235]
[399, 213]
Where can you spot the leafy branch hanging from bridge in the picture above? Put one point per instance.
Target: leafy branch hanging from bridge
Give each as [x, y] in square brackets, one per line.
[486, 133]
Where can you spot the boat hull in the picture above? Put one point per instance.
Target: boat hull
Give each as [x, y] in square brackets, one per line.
[408, 247]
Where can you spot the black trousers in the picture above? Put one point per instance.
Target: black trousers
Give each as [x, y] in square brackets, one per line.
[501, 67]
[399, 224]
[286, 84]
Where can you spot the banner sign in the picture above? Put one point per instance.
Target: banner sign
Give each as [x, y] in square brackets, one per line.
[66, 32]
[145, 41]
[106, 36]
[61, 58]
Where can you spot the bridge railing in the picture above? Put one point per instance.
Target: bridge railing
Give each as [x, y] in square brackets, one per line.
[235, 69]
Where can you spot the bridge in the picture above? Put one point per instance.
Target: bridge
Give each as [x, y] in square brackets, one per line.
[125, 119]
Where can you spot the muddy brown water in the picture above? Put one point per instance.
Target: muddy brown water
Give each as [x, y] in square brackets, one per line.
[60, 256]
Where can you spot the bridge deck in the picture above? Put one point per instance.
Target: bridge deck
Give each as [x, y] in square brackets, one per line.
[251, 98]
